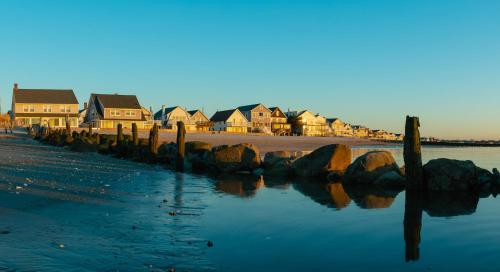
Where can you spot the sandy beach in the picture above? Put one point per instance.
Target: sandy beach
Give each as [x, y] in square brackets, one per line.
[265, 143]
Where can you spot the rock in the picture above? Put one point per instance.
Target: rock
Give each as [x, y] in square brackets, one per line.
[375, 168]
[272, 158]
[167, 153]
[197, 147]
[496, 173]
[454, 175]
[322, 161]
[258, 172]
[84, 145]
[277, 163]
[228, 159]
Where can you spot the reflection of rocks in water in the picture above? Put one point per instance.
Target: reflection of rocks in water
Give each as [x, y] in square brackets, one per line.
[371, 197]
[331, 194]
[444, 204]
[277, 183]
[239, 185]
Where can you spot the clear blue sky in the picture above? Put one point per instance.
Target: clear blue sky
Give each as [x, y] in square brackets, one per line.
[367, 62]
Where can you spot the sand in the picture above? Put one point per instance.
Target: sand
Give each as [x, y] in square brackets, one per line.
[263, 142]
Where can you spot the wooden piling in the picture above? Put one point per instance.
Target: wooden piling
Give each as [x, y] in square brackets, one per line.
[153, 141]
[135, 134]
[413, 154]
[68, 125]
[119, 134]
[181, 146]
[90, 128]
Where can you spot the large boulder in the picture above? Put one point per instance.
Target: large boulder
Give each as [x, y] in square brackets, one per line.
[455, 175]
[196, 156]
[375, 168]
[322, 161]
[240, 157]
[84, 144]
[167, 152]
[277, 163]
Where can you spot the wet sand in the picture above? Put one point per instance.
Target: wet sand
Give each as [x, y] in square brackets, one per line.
[68, 211]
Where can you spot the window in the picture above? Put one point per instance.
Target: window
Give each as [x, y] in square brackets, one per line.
[115, 112]
[65, 108]
[47, 108]
[261, 114]
[130, 113]
[28, 108]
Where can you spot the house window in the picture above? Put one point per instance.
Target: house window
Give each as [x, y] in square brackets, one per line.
[28, 108]
[130, 113]
[261, 114]
[65, 108]
[47, 108]
[115, 113]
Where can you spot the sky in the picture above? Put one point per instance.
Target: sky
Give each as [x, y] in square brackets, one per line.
[366, 62]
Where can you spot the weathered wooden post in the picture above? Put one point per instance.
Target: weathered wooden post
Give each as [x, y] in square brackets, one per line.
[153, 141]
[97, 138]
[119, 134]
[135, 135]
[90, 128]
[181, 146]
[413, 154]
[68, 125]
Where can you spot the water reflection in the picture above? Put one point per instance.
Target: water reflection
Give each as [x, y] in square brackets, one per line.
[239, 185]
[371, 197]
[435, 204]
[331, 194]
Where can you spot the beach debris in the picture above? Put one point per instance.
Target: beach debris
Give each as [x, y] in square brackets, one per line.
[4, 232]
[61, 246]
[172, 213]
[210, 243]
[165, 201]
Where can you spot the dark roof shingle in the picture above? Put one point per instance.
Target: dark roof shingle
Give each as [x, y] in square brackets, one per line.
[118, 101]
[221, 116]
[45, 96]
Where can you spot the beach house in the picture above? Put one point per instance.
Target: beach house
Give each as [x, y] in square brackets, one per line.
[44, 107]
[232, 121]
[306, 123]
[200, 120]
[279, 122]
[171, 115]
[258, 116]
[109, 110]
[339, 128]
[360, 131]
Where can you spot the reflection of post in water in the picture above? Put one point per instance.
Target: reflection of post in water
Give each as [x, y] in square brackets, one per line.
[413, 224]
[178, 189]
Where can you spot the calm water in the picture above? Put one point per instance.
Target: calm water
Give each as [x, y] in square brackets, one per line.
[63, 211]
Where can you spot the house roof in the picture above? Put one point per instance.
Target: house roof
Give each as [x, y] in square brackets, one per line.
[168, 110]
[220, 116]
[248, 107]
[45, 96]
[118, 101]
[194, 111]
[331, 120]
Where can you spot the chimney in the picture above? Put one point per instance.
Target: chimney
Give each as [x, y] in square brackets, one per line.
[15, 86]
[162, 111]
[85, 105]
